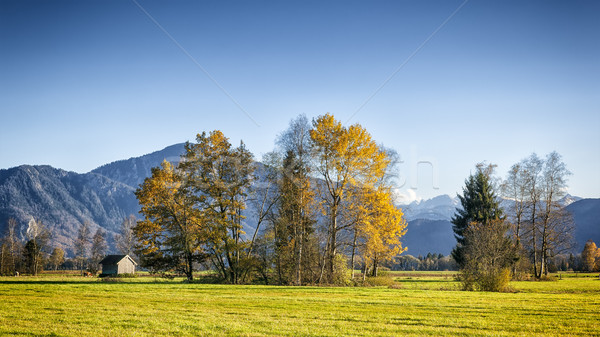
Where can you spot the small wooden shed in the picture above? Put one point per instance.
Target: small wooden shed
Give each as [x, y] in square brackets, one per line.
[118, 264]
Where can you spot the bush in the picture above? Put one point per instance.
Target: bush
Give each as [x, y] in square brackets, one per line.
[492, 280]
[488, 255]
[341, 272]
[379, 281]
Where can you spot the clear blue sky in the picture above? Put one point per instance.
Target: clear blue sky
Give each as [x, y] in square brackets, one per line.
[83, 83]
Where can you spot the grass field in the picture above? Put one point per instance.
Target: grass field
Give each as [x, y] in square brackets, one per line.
[425, 304]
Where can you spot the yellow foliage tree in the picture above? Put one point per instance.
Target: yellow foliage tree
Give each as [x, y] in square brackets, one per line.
[590, 256]
[345, 157]
[381, 228]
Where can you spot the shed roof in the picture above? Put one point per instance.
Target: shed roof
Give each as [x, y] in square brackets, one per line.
[115, 259]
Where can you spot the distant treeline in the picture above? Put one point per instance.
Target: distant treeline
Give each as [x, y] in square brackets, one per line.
[437, 262]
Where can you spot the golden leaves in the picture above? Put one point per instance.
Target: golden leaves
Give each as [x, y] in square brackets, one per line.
[347, 155]
[381, 225]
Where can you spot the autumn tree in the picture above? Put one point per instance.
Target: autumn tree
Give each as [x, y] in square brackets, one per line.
[57, 258]
[81, 244]
[367, 204]
[171, 235]
[219, 178]
[479, 204]
[381, 228]
[125, 239]
[590, 257]
[345, 157]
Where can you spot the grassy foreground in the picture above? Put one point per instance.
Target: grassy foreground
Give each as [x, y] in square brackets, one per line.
[425, 304]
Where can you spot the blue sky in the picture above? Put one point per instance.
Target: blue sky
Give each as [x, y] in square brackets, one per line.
[85, 83]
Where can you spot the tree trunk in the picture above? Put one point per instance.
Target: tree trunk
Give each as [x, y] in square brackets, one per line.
[324, 261]
[534, 241]
[353, 253]
[375, 267]
[300, 243]
[190, 271]
[332, 240]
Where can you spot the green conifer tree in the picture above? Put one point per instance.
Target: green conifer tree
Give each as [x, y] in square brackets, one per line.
[479, 205]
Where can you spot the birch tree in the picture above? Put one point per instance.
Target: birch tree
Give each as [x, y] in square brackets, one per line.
[81, 244]
[125, 239]
[98, 249]
[545, 227]
[556, 224]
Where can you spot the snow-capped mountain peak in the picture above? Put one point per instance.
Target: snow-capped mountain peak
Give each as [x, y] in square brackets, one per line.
[441, 207]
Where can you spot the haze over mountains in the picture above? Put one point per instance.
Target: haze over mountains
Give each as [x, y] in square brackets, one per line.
[103, 197]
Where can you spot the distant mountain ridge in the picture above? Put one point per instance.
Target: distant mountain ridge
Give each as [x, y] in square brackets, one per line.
[441, 207]
[430, 221]
[63, 200]
[586, 213]
[133, 171]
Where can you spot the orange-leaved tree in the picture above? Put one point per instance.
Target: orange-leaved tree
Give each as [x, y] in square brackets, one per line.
[590, 256]
[345, 157]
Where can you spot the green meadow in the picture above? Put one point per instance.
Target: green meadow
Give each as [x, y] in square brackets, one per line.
[418, 304]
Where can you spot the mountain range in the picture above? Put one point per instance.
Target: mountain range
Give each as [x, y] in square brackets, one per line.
[63, 200]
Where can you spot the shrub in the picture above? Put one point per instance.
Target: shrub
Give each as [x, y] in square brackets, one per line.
[341, 274]
[488, 255]
[491, 280]
[379, 281]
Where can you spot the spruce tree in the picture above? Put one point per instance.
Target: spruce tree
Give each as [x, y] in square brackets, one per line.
[479, 205]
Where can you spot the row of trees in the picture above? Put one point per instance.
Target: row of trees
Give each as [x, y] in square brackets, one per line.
[540, 226]
[578, 263]
[34, 253]
[90, 249]
[323, 202]
[29, 255]
[429, 262]
[493, 242]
